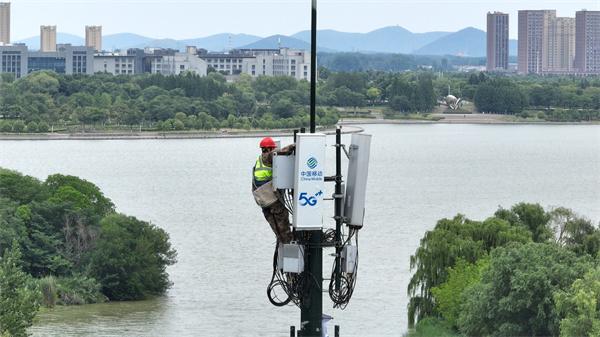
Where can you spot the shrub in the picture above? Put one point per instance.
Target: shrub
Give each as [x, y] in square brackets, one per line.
[43, 127]
[515, 296]
[18, 126]
[47, 286]
[130, 258]
[32, 127]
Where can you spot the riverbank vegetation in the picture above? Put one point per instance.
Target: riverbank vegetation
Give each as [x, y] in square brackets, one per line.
[47, 102]
[63, 243]
[524, 271]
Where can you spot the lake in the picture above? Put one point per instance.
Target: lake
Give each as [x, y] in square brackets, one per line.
[199, 192]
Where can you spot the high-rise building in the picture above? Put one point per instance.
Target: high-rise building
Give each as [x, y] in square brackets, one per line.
[4, 23]
[93, 37]
[497, 41]
[558, 50]
[587, 45]
[533, 35]
[47, 38]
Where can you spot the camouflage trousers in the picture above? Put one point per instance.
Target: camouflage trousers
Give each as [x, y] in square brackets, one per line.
[278, 217]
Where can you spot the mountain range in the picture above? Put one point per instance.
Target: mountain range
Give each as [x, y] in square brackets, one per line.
[394, 39]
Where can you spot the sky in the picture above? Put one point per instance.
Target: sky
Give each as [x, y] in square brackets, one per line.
[182, 19]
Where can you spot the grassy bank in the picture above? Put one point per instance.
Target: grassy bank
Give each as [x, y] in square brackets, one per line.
[432, 327]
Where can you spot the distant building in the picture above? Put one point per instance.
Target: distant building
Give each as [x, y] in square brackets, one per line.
[261, 62]
[178, 63]
[48, 38]
[587, 45]
[14, 60]
[4, 23]
[232, 63]
[93, 37]
[559, 46]
[497, 41]
[533, 30]
[115, 63]
[67, 59]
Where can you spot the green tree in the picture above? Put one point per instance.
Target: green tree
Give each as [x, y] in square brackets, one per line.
[449, 295]
[130, 258]
[373, 95]
[580, 306]
[442, 247]
[18, 296]
[515, 296]
[531, 216]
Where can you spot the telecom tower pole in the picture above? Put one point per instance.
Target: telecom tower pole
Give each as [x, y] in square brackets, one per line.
[312, 305]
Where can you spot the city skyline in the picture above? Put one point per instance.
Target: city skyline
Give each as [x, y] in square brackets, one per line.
[182, 19]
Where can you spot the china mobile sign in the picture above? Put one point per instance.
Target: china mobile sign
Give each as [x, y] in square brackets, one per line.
[309, 183]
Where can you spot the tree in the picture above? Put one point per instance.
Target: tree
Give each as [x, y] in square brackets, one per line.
[442, 247]
[580, 306]
[373, 94]
[18, 296]
[531, 216]
[515, 295]
[449, 295]
[130, 258]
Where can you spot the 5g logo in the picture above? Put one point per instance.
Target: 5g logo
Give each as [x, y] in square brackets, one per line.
[305, 200]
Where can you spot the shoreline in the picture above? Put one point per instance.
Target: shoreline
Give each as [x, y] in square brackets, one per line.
[351, 125]
[408, 122]
[147, 135]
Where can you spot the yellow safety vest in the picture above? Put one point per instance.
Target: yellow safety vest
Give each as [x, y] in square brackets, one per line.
[262, 173]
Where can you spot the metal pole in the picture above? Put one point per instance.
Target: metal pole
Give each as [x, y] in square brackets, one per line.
[313, 67]
[338, 206]
[312, 304]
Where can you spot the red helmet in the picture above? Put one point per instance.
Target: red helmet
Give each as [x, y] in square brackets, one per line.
[268, 143]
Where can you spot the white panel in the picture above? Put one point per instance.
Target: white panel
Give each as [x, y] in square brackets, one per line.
[309, 186]
[293, 258]
[356, 183]
[349, 255]
[283, 171]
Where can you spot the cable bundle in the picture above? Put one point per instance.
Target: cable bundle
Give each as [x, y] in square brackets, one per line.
[341, 297]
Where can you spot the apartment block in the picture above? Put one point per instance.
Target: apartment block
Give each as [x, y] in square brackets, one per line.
[48, 38]
[497, 41]
[587, 44]
[93, 37]
[559, 47]
[4, 23]
[533, 34]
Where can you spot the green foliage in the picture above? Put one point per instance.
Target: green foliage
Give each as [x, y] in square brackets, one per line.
[449, 295]
[515, 296]
[574, 232]
[531, 216]
[432, 327]
[452, 240]
[65, 226]
[130, 258]
[580, 306]
[18, 295]
[500, 96]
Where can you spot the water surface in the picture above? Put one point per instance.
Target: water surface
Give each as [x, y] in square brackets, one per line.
[199, 192]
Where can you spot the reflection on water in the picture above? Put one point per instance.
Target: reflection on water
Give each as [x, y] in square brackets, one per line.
[199, 192]
[117, 319]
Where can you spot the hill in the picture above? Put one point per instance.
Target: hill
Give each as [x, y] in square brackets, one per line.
[385, 40]
[466, 42]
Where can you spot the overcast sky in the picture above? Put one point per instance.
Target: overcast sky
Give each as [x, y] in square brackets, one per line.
[181, 19]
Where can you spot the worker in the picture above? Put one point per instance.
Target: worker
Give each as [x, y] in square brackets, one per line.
[275, 213]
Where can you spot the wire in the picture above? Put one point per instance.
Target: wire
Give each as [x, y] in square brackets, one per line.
[341, 296]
